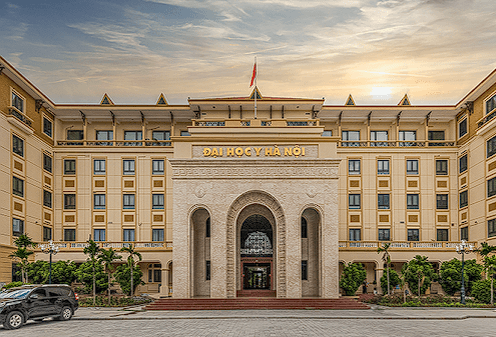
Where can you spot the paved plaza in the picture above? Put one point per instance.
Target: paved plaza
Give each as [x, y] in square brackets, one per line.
[376, 322]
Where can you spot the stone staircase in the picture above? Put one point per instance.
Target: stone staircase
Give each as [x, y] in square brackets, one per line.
[244, 303]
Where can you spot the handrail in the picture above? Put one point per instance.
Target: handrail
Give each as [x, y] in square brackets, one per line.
[400, 245]
[70, 245]
[396, 143]
[13, 111]
[117, 143]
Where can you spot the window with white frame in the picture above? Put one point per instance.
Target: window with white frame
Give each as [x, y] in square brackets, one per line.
[17, 101]
[157, 201]
[99, 201]
[128, 167]
[47, 127]
[491, 104]
[462, 128]
[383, 166]
[128, 201]
[99, 166]
[158, 166]
[18, 145]
[353, 166]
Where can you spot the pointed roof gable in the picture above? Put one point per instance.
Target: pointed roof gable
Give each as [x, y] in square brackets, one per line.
[350, 100]
[106, 100]
[405, 100]
[255, 90]
[161, 100]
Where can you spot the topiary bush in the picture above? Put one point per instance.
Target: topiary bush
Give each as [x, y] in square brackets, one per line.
[394, 280]
[353, 276]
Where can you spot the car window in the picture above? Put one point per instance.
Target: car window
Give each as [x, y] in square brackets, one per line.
[18, 293]
[39, 292]
[52, 292]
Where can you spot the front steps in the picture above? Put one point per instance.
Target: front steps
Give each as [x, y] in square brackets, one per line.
[246, 303]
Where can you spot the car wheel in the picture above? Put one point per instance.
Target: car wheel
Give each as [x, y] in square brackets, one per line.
[65, 314]
[14, 320]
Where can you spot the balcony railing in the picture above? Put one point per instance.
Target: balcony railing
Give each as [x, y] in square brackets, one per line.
[484, 120]
[255, 122]
[114, 143]
[20, 116]
[400, 245]
[396, 143]
[79, 246]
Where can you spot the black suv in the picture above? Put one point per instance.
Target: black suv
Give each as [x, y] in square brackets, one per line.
[36, 302]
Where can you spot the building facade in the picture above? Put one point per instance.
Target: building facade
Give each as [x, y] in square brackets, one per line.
[223, 199]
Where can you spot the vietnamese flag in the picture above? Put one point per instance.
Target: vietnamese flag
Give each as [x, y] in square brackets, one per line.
[254, 75]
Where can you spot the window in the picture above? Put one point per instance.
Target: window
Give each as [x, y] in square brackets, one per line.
[383, 166]
[104, 135]
[17, 227]
[463, 163]
[17, 101]
[155, 273]
[490, 104]
[69, 234]
[384, 234]
[491, 187]
[128, 235]
[17, 145]
[99, 235]
[304, 270]
[413, 235]
[18, 187]
[99, 201]
[185, 133]
[464, 233]
[354, 166]
[491, 228]
[47, 163]
[75, 135]
[157, 201]
[327, 133]
[304, 228]
[158, 166]
[441, 201]
[69, 166]
[383, 201]
[442, 235]
[350, 138]
[463, 199]
[161, 136]
[412, 166]
[207, 270]
[47, 127]
[354, 201]
[355, 234]
[462, 128]
[99, 166]
[47, 233]
[69, 201]
[157, 235]
[408, 138]
[128, 201]
[441, 167]
[491, 147]
[47, 199]
[207, 228]
[379, 138]
[134, 136]
[128, 167]
[436, 135]
[412, 201]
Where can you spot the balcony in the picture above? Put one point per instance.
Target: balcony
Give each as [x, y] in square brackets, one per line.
[401, 245]
[20, 120]
[484, 120]
[115, 143]
[256, 122]
[140, 246]
[397, 143]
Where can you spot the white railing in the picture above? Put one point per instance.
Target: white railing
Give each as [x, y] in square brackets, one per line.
[115, 245]
[399, 245]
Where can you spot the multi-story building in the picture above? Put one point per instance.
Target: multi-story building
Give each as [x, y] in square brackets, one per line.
[229, 197]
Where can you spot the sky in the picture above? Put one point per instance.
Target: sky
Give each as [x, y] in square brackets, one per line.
[74, 51]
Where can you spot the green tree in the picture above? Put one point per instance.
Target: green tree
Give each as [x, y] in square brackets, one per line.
[63, 272]
[107, 257]
[130, 260]
[419, 274]
[92, 251]
[451, 275]
[387, 258]
[393, 281]
[353, 276]
[481, 291]
[85, 275]
[22, 254]
[490, 266]
[123, 277]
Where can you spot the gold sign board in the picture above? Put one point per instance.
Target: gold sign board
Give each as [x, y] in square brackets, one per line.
[254, 151]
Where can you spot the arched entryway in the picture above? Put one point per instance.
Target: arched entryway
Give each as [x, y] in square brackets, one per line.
[200, 243]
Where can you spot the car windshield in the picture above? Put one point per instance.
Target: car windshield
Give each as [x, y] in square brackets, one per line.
[18, 293]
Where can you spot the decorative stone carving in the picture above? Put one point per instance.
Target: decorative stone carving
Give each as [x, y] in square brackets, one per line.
[200, 191]
[311, 192]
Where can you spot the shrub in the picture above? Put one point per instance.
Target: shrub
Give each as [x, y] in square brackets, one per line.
[123, 277]
[63, 272]
[418, 270]
[481, 291]
[451, 275]
[394, 280]
[13, 285]
[353, 276]
[85, 275]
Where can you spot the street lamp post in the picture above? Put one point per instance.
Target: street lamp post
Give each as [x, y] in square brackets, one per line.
[463, 248]
[51, 249]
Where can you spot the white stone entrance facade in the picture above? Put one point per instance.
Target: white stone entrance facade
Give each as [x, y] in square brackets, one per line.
[227, 191]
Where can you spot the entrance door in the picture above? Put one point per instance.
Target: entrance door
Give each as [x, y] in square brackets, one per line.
[256, 276]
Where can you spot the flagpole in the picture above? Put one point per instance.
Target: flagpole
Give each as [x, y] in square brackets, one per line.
[255, 93]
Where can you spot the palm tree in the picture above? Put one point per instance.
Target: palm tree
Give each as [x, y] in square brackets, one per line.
[23, 242]
[92, 251]
[130, 260]
[386, 257]
[107, 257]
